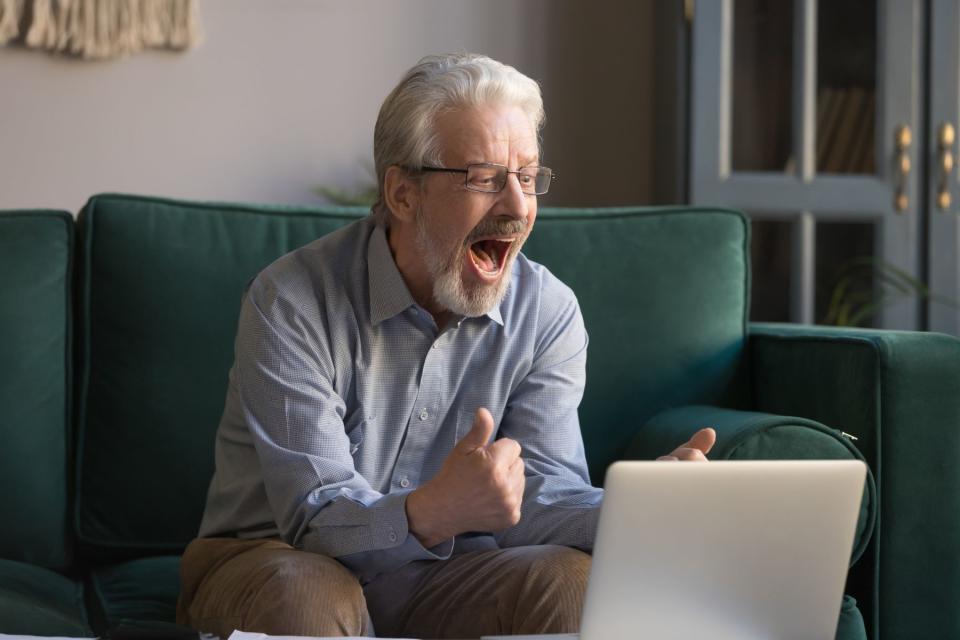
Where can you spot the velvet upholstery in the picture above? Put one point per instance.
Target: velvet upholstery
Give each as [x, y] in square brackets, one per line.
[160, 291]
[899, 393]
[752, 435]
[678, 274]
[38, 601]
[138, 591]
[664, 293]
[35, 388]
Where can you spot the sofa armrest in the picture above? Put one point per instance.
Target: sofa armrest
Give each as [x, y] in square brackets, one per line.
[750, 435]
[899, 393]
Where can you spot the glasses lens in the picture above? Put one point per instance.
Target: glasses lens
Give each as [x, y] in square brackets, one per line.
[543, 180]
[485, 177]
[528, 180]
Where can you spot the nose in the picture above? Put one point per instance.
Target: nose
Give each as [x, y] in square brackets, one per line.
[513, 202]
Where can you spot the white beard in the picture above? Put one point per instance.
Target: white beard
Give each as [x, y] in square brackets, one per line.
[449, 290]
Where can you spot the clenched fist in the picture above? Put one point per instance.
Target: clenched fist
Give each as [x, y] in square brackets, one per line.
[478, 488]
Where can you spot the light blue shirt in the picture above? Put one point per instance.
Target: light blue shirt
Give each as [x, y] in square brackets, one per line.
[344, 397]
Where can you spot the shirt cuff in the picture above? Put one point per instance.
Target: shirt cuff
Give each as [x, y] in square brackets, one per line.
[400, 545]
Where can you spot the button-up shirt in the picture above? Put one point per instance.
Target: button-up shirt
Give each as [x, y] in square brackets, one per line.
[345, 396]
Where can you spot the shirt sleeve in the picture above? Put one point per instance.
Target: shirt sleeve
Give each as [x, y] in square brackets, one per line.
[560, 506]
[295, 418]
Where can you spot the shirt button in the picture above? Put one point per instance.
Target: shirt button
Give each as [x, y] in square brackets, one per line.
[392, 537]
[404, 483]
[423, 414]
[435, 345]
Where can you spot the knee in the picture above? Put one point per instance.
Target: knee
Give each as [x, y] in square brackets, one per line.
[558, 570]
[551, 591]
[301, 593]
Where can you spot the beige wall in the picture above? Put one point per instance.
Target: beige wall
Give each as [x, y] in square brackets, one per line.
[282, 96]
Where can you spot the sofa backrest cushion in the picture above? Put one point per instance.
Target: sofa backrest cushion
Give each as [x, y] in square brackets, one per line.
[663, 294]
[35, 317]
[161, 284]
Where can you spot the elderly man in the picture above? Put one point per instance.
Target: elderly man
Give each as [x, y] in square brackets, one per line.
[400, 441]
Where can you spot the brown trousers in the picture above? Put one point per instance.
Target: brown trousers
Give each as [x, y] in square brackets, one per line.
[269, 587]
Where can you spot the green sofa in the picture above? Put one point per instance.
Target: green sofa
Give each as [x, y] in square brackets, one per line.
[116, 335]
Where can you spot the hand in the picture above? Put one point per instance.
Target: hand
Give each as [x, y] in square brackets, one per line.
[478, 488]
[695, 449]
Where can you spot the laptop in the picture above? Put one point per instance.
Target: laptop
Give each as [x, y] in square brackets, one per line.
[752, 550]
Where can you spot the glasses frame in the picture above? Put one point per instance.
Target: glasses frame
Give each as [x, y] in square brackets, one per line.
[466, 170]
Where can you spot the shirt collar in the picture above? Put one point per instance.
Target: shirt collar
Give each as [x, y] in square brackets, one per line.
[388, 292]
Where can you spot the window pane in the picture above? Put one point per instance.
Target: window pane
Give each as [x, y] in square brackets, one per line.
[770, 255]
[762, 86]
[847, 274]
[846, 86]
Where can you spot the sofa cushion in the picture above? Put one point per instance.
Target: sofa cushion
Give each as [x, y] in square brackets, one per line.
[664, 297]
[138, 591]
[37, 601]
[160, 289]
[35, 282]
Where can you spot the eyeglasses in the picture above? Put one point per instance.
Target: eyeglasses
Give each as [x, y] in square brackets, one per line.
[492, 178]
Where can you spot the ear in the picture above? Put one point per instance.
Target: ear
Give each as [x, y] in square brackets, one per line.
[401, 194]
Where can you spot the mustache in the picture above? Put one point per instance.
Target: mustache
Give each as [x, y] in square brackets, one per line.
[494, 227]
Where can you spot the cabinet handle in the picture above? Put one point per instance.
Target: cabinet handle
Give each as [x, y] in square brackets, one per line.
[945, 139]
[902, 139]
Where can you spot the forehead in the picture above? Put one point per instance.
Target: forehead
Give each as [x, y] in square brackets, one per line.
[489, 133]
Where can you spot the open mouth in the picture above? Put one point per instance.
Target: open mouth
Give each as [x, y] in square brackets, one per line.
[489, 255]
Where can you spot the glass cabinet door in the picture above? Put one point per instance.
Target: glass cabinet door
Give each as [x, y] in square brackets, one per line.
[942, 188]
[804, 115]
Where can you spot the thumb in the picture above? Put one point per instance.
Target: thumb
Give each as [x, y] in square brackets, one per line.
[702, 440]
[479, 434]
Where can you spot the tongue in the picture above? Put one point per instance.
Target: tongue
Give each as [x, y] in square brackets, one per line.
[486, 255]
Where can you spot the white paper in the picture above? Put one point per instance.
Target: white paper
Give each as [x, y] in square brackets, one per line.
[4, 636]
[246, 635]
[543, 636]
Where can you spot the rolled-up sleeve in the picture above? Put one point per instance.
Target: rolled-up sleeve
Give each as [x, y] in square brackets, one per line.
[320, 502]
[560, 506]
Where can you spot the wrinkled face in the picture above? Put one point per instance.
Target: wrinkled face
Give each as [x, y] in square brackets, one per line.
[468, 240]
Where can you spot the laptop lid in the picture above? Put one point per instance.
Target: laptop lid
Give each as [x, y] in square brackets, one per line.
[723, 550]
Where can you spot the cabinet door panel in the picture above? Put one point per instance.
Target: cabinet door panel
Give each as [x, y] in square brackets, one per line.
[762, 88]
[853, 166]
[942, 184]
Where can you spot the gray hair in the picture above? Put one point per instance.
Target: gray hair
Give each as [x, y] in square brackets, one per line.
[405, 132]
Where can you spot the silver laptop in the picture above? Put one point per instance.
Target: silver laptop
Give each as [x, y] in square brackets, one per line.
[723, 550]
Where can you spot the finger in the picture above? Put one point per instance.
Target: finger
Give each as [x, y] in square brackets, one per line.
[702, 440]
[688, 454]
[519, 477]
[479, 434]
[505, 450]
[518, 468]
[668, 459]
